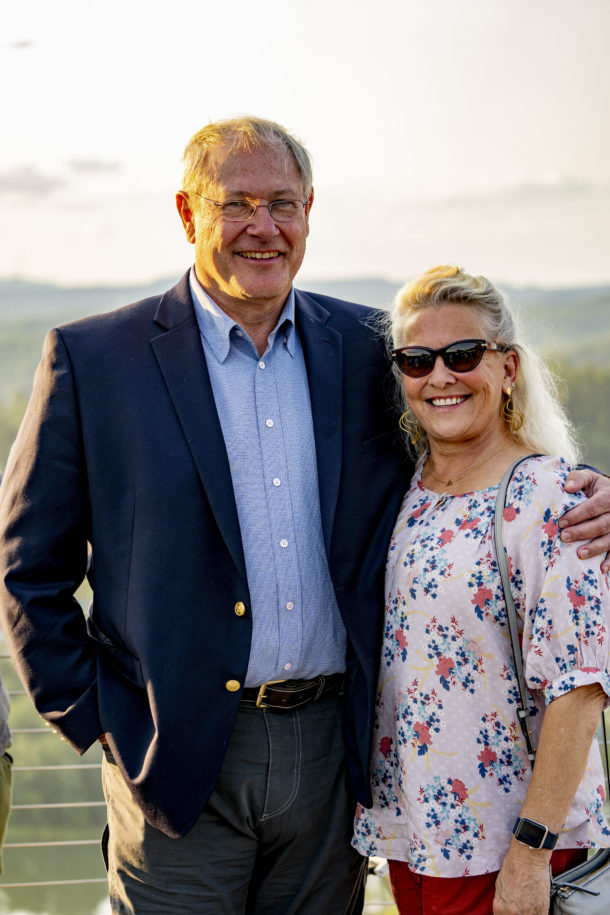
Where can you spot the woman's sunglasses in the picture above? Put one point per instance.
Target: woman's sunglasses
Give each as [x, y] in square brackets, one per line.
[461, 356]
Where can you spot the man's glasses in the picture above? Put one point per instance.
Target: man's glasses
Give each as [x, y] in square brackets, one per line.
[461, 356]
[243, 210]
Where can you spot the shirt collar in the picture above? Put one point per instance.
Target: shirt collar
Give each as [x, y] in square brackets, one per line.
[218, 329]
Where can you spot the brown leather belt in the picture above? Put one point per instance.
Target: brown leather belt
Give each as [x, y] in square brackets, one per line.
[290, 694]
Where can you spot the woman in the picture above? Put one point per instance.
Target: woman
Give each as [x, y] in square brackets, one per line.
[450, 771]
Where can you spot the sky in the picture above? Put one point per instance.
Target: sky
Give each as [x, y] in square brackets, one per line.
[474, 132]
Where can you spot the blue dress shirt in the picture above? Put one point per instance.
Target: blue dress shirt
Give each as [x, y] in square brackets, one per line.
[265, 415]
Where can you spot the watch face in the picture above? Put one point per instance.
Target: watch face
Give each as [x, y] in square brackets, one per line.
[531, 833]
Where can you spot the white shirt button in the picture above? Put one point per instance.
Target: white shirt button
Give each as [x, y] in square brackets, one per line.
[283, 543]
[287, 666]
[261, 364]
[277, 481]
[289, 605]
[269, 423]
[239, 333]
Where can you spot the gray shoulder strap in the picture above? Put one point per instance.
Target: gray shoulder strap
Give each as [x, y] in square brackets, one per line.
[511, 613]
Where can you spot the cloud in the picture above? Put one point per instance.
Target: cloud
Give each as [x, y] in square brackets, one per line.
[32, 181]
[553, 187]
[28, 181]
[548, 188]
[93, 166]
[21, 45]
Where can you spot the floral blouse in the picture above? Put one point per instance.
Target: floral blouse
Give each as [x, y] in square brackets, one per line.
[449, 766]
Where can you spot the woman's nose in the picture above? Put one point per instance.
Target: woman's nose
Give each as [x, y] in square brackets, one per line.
[440, 374]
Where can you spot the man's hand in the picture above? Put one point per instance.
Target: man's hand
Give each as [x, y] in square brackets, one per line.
[590, 520]
[523, 886]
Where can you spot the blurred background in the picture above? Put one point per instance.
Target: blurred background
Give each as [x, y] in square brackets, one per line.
[474, 133]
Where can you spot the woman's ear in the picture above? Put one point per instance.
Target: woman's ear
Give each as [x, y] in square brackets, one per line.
[511, 367]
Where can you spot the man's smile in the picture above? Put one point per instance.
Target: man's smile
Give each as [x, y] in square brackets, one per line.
[259, 255]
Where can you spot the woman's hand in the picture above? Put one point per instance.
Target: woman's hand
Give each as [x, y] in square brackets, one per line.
[591, 519]
[523, 886]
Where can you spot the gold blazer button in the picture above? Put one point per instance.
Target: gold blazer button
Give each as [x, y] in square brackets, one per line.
[233, 685]
[240, 608]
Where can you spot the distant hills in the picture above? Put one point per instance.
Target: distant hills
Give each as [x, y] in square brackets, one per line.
[573, 325]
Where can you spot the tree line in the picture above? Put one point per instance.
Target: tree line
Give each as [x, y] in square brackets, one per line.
[585, 388]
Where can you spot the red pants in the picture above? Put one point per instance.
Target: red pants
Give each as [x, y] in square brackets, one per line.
[418, 894]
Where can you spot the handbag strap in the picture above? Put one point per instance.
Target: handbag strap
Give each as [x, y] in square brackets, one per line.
[511, 613]
[523, 711]
[605, 739]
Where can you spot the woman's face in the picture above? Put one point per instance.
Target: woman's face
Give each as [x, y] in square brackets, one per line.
[457, 407]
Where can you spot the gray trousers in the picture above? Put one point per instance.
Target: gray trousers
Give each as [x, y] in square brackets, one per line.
[274, 838]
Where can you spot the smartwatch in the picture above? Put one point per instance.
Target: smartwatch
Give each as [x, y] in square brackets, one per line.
[534, 834]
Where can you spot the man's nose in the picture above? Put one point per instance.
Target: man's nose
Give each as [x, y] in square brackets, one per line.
[262, 223]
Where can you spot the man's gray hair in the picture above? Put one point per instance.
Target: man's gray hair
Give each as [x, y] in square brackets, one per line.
[241, 134]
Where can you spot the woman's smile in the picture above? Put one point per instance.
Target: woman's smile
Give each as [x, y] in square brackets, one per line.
[452, 406]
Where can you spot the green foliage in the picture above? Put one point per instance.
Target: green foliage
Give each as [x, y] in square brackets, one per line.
[588, 390]
[11, 414]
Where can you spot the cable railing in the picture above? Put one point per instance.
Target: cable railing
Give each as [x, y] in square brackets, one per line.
[42, 843]
[51, 854]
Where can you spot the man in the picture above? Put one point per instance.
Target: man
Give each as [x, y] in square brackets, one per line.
[228, 451]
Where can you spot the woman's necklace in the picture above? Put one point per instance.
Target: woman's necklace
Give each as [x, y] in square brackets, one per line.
[450, 482]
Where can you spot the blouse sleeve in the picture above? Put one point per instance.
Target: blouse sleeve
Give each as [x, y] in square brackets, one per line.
[563, 601]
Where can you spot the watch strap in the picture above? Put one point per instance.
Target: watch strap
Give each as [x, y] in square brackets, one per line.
[533, 834]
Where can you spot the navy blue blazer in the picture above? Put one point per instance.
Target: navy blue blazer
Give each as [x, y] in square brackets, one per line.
[121, 447]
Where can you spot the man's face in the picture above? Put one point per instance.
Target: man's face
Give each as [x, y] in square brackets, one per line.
[228, 259]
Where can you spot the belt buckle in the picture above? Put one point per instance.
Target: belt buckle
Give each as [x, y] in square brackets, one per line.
[261, 693]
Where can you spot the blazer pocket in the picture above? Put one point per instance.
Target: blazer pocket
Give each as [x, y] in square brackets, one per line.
[124, 663]
[379, 445]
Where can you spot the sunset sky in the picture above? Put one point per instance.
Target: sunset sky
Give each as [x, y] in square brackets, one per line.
[464, 131]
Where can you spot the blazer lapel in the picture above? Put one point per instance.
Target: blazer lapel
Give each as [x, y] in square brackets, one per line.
[181, 360]
[322, 347]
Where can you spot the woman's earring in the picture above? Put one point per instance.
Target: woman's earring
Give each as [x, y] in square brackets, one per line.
[513, 418]
[411, 427]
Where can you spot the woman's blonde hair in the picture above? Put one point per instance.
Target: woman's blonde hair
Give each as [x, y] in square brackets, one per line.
[545, 427]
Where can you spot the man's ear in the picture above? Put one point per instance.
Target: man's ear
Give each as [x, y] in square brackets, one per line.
[183, 205]
[309, 204]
